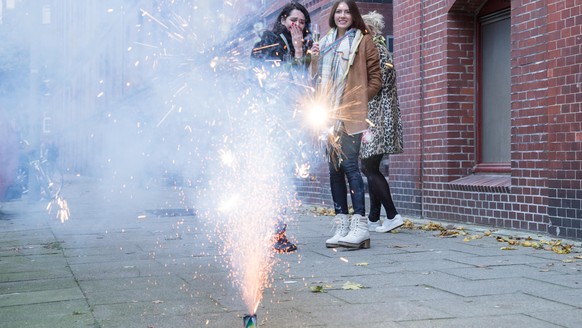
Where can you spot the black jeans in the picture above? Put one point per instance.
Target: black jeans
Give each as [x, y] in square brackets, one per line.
[379, 190]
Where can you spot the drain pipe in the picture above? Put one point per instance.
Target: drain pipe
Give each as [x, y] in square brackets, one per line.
[422, 108]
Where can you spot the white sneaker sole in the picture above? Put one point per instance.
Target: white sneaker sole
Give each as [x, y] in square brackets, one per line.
[380, 229]
[373, 228]
[383, 229]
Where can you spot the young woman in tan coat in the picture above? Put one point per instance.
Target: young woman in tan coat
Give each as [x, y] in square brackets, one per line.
[345, 65]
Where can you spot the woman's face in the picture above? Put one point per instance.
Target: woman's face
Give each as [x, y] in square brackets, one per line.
[342, 17]
[295, 17]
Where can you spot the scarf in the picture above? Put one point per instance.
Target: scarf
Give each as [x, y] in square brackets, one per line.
[335, 59]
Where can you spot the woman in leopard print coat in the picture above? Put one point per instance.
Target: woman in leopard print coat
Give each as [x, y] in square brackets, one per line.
[384, 136]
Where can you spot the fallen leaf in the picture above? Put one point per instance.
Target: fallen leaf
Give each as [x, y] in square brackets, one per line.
[568, 261]
[473, 237]
[316, 289]
[558, 248]
[431, 226]
[449, 233]
[508, 248]
[487, 233]
[361, 264]
[408, 224]
[352, 286]
[536, 246]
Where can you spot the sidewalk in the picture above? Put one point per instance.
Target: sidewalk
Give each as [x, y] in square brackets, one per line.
[113, 264]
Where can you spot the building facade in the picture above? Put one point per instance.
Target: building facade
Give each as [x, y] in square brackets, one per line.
[489, 93]
[490, 97]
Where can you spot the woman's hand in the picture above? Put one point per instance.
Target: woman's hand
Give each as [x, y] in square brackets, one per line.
[315, 49]
[297, 39]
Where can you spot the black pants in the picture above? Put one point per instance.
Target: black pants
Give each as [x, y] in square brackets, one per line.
[378, 189]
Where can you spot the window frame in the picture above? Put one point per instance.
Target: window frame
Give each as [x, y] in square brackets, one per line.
[491, 7]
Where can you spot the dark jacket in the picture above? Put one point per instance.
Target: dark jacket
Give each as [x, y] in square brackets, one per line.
[273, 52]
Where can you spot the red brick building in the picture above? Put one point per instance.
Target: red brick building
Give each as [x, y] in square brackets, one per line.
[490, 94]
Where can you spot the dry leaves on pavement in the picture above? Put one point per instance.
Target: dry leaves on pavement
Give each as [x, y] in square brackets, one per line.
[450, 231]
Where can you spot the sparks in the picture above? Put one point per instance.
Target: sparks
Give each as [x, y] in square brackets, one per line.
[302, 171]
[317, 115]
[227, 158]
[62, 212]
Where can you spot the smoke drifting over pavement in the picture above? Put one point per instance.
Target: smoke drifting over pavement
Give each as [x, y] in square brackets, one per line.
[162, 92]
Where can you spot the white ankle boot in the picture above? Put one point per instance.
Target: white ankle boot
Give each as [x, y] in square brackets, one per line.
[359, 236]
[342, 228]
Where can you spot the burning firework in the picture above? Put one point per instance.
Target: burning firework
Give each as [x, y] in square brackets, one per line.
[251, 130]
[62, 208]
[250, 321]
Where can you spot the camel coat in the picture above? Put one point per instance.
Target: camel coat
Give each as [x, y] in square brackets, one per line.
[363, 82]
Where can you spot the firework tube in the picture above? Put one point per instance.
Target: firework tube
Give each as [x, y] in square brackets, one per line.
[250, 321]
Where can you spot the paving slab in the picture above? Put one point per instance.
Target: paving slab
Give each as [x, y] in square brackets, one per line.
[117, 264]
[565, 318]
[50, 314]
[517, 320]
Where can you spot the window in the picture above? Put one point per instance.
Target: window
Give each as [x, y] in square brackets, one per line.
[46, 14]
[494, 92]
[390, 43]
[47, 124]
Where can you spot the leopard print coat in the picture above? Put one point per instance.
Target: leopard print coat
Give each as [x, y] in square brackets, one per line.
[384, 136]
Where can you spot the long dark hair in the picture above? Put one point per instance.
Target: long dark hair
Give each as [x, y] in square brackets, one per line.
[279, 28]
[357, 20]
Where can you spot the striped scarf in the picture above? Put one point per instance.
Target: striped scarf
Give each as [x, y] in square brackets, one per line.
[336, 58]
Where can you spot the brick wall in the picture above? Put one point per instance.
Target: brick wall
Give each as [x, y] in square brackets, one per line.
[405, 169]
[529, 69]
[564, 117]
[434, 57]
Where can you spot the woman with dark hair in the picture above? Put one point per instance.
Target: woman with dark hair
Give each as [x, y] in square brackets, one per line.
[279, 50]
[346, 67]
[286, 42]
